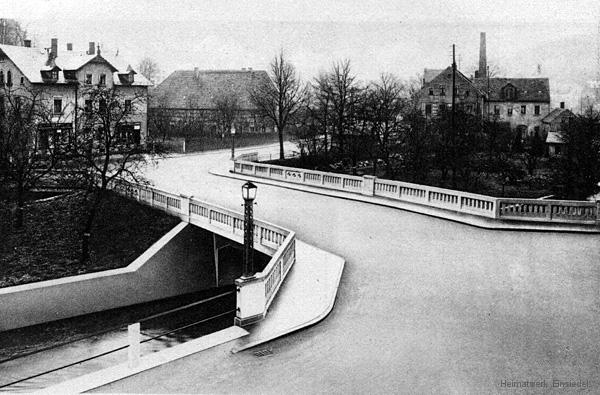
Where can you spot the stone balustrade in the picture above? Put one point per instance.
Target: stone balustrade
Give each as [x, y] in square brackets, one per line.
[254, 294]
[505, 209]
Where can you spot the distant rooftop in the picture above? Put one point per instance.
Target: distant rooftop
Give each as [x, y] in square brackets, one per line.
[200, 88]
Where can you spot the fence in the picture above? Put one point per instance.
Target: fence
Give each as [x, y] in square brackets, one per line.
[505, 209]
[254, 294]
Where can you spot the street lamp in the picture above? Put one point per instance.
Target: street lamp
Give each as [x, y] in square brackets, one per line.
[249, 194]
[232, 141]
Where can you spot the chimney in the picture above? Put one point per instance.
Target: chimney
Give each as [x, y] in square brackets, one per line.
[69, 46]
[196, 72]
[27, 43]
[562, 104]
[92, 48]
[482, 57]
[53, 48]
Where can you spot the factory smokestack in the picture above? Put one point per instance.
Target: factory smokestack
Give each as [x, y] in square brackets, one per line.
[482, 57]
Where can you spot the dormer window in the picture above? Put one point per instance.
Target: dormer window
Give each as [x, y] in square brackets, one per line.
[54, 74]
[510, 93]
[70, 75]
[126, 78]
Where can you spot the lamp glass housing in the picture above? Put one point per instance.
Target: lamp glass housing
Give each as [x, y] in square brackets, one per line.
[249, 191]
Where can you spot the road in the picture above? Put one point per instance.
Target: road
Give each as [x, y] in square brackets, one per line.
[425, 305]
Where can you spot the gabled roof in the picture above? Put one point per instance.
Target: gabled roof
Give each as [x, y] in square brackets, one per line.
[528, 89]
[199, 89]
[30, 61]
[429, 74]
[448, 70]
[556, 114]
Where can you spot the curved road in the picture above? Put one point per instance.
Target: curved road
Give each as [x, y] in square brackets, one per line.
[425, 305]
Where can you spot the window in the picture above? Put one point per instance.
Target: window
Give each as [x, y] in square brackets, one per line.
[128, 106]
[442, 107]
[88, 79]
[70, 75]
[496, 110]
[22, 80]
[509, 111]
[466, 93]
[509, 93]
[58, 106]
[1, 78]
[523, 109]
[9, 78]
[130, 78]
[102, 80]
[536, 130]
[442, 91]
[88, 106]
[54, 74]
[536, 110]
[430, 91]
[102, 105]
[427, 109]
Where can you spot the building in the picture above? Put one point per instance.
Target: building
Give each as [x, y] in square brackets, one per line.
[436, 94]
[554, 126]
[521, 102]
[60, 78]
[194, 94]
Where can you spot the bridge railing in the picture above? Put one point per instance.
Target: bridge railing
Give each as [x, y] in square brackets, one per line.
[505, 209]
[254, 294]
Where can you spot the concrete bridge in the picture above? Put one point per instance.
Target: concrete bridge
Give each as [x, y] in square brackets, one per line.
[425, 305]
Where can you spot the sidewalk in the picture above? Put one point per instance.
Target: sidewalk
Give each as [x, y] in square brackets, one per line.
[305, 298]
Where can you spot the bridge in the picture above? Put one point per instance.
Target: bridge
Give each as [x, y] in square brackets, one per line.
[425, 305]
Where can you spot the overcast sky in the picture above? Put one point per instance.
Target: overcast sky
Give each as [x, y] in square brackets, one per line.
[396, 36]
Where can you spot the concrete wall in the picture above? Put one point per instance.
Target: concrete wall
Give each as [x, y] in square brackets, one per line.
[180, 262]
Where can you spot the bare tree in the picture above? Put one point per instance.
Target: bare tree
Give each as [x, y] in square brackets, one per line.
[344, 94]
[279, 98]
[24, 159]
[105, 147]
[386, 101]
[227, 108]
[11, 32]
[148, 67]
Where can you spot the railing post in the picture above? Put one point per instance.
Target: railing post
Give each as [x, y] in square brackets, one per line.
[368, 185]
[185, 207]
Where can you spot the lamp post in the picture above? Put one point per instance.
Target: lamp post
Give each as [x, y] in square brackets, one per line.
[249, 194]
[232, 141]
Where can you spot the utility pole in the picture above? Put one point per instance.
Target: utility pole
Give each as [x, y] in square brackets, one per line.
[453, 84]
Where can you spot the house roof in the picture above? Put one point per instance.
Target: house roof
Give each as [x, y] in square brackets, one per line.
[30, 61]
[459, 75]
[199, 88]
[429, 74]
[555, 138]
[556, 114]
[528, 89]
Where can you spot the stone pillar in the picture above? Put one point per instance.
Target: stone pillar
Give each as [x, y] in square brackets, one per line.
[185, 207]
[368, 185]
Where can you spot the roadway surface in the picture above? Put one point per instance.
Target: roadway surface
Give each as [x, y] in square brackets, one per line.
[425, 305]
